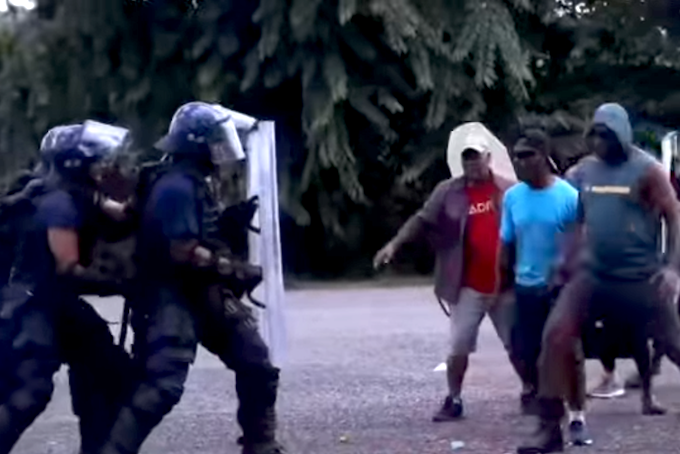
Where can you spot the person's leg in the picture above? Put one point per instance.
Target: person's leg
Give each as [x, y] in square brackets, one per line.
[34, 361]
[100, 372]
[237, 342]
[530, 313]
[558, 363]
[503, 315]
[657, 357]
[634, 381]
[466, 315]
[664, 327]
[169, 347]
[645, 373]
[609, 386]
[576, 401]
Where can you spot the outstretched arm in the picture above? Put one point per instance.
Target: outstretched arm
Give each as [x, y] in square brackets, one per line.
[415, 226]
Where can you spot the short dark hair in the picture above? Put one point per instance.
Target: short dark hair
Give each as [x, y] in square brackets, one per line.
[537, 139]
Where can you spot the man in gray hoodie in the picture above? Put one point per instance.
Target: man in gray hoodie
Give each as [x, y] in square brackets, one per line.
[624, 280]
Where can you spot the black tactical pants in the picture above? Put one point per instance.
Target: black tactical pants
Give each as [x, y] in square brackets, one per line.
[167, 332]
[36, 339]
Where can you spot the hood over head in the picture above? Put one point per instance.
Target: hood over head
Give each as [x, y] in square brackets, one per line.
[616, 119]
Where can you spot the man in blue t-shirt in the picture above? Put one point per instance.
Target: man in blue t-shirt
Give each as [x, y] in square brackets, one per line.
[537, 215]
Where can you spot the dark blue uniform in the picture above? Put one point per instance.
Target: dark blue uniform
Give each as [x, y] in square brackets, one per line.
[169, 320]
[51, 325]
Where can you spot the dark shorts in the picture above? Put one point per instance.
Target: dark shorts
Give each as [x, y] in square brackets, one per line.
[620, 317]
[606, 311]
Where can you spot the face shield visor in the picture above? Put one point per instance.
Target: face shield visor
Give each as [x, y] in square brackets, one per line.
[105, 145]
[224, 143]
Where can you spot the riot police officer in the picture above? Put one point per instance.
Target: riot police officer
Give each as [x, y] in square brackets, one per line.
[49, 324]
[176, 270]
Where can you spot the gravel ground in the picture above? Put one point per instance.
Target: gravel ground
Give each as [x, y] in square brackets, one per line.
[360, 379]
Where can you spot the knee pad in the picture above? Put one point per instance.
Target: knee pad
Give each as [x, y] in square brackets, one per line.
[157, 399]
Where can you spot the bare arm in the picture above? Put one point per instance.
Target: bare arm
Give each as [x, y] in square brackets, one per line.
[506, 264]
[190, 252]
[415, 226]
[428, 214]
[659, 194]
[65, 248]
[115, 210]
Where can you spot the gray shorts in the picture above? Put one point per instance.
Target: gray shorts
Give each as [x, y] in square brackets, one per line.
[467, 314]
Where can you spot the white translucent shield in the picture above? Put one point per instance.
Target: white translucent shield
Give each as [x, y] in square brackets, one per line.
[265, 248]
[477, 136]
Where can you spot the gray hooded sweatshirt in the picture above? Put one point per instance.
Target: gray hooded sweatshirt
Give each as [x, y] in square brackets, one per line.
[622, 232]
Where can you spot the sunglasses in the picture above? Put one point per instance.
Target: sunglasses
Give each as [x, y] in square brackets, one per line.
[600, 133]
[525, 154]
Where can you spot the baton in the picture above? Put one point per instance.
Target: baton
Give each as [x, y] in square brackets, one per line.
[125, 320]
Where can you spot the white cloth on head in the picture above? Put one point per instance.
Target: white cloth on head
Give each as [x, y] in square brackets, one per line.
[476, 136]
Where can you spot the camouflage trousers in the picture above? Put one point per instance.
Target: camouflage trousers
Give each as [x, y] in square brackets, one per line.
[38, 335]
[169, 322]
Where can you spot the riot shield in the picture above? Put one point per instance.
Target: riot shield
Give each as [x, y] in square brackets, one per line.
[264, 244]
[477, 135]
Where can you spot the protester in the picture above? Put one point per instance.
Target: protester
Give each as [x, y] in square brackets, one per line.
[461, 218]
[610, 385]
[537, 214]
[624, 280]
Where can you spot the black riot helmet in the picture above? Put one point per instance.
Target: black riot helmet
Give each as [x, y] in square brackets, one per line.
[75, 149]
[202, 134]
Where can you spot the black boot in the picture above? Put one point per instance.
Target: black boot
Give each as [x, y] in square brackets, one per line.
[129, 432]
[548, 436]
[260, 435]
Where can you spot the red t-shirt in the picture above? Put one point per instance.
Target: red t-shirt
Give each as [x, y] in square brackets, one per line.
[481, 239]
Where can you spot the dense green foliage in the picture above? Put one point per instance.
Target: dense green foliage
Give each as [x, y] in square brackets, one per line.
[364, 92]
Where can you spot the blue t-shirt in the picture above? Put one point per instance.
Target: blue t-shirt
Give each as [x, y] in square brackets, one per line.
[535, 219]
[172, 212]
[58, 209]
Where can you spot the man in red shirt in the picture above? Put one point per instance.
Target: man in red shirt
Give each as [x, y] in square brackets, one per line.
[462, 220]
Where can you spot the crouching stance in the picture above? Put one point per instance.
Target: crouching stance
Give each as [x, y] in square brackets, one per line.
[45, 323]
[173, 308]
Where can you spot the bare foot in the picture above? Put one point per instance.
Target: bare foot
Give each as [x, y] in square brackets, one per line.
[650, 407]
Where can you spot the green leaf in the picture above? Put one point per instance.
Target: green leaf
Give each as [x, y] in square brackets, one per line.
[228, 44]
[302, 18]
[346, 10]
[335, 76]
[209, 71]
[202, 45]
